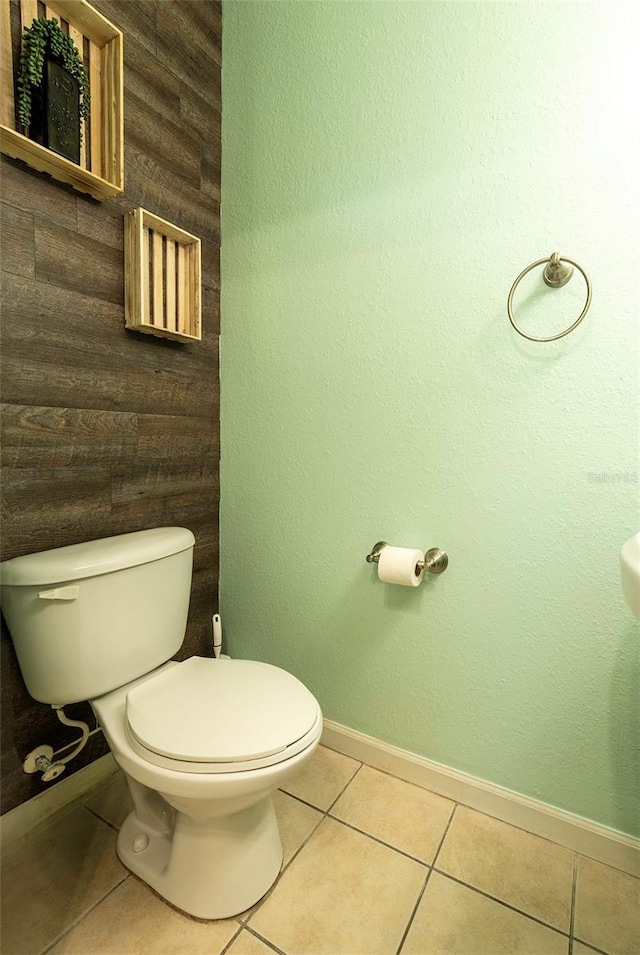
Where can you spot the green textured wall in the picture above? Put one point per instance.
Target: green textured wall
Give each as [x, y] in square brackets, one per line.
[388, 169]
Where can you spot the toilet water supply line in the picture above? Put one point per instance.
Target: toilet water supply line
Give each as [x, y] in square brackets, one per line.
[43, 759]
[82, 742]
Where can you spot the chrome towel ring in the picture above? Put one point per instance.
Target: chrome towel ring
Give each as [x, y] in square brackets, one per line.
[555, 275]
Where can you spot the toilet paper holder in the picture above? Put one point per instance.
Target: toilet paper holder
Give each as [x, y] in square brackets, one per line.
[435, 560]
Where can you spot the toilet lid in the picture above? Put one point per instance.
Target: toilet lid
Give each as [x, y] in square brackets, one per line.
[220, 711]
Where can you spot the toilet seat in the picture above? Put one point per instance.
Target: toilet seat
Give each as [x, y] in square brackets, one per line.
[221, 716]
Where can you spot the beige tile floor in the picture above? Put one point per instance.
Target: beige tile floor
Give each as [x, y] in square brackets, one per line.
[372, 866]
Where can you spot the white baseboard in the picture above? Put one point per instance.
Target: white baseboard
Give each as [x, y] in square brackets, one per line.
[21, 820]
[581, 835]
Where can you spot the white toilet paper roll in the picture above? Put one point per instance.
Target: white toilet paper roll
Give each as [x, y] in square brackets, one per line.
[397, 565]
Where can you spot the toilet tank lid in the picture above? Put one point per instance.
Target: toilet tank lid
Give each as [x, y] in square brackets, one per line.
[92, 558]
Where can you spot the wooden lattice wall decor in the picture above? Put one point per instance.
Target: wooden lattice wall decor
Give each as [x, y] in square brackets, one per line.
[162, 278]
[101, 169]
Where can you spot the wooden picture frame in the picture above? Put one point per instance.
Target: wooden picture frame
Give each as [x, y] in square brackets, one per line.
[100, 44]
[162, 269]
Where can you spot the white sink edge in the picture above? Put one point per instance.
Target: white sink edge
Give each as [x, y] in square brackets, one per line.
[630, 573]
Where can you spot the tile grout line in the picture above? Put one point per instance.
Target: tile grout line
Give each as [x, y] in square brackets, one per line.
[493, 898]
[380, 842]
[81, 804]
[426, 882]
[512, 825]
[574, 883]
[304, 802]
[265, 941]
[413, 911]
[284, 868]
[590, 948]
[231, 940]
[84, 915]
[296, 853]
[328, 815]
[324, 815]
[332, 803]
[474, 888]
[343, 790]
[96, 815]
[444, 835]
[482, 812]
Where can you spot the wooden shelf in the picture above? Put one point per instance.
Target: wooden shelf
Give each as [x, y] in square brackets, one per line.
[101, 169]
[162, 278]
[39, 157]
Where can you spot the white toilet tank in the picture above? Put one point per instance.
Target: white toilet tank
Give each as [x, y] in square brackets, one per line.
[91, 617]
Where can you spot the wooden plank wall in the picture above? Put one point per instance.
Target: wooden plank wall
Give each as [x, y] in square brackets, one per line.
[107, 431]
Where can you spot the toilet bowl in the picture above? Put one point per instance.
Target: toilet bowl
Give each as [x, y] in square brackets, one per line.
[203, 832]
[203, 743]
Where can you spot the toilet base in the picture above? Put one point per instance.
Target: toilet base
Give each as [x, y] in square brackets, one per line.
[212, 870]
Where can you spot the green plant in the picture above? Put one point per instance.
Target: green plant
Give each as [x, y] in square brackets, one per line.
[45, 38]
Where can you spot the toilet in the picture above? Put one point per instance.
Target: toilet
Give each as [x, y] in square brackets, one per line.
[203, 743]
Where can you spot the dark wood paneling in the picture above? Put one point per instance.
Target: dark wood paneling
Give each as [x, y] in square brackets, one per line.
[107, 431]
[17, 241]
[136, 19]
[98, 221]
[19, 190]
[211, 259]
[176, 438]
[210, 167]
[152, 83]
[162, 493]
[176, 150]
[211, 307]
[78, 262]
[89, 330]
[145, 486]
[87, 359]
[189, 42]
[52, 507]
[79, 384]
[34, 437]
[196, 113]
